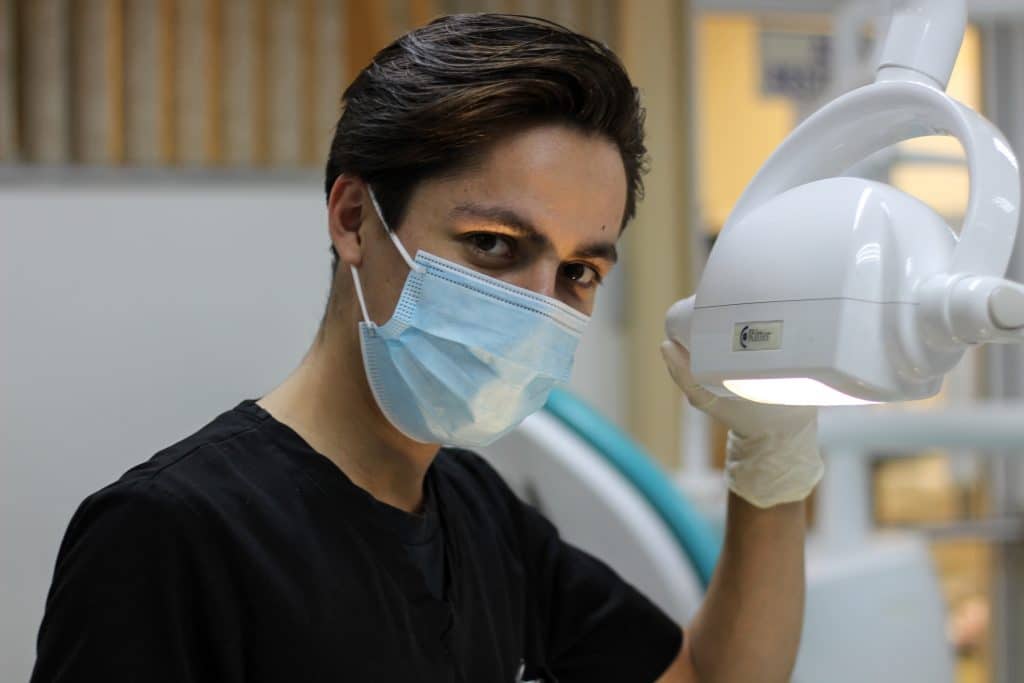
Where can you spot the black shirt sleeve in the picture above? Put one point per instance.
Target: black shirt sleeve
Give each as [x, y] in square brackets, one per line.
[125, 603]
[598, 626]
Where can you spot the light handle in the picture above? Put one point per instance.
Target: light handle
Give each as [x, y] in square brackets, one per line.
[963, 309]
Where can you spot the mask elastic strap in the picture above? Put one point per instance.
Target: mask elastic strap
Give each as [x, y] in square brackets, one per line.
[394, 240]
[391, 233]
[359, 295]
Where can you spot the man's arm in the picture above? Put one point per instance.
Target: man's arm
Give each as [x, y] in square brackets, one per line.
[748, 628]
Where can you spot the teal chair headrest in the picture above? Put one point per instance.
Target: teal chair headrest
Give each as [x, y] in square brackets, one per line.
[695, 534]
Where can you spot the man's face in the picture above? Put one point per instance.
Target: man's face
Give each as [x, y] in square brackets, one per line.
[542, 211]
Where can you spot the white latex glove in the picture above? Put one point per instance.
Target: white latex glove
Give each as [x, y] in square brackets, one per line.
[772, 452]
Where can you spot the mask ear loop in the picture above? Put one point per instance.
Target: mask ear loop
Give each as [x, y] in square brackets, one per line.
[394, 240]
[359, 296]
[391, 233]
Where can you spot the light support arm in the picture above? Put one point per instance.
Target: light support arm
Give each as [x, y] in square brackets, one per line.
[924, 38]
[870, 119]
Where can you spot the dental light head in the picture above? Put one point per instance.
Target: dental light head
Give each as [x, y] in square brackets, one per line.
[830, 290]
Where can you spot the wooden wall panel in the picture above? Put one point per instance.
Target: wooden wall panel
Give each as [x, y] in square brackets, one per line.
[454, 6]
[241, 110]
[423, 11]
[537, 8]
[485, 6]
[309, 75]
[261, 87]
[367, 29]
[396, 17]
[603, 21]
[90, 89]
[330, 82]
[43, 74]
[115, 77]
[8, 87]
[190, 96]
[564, 12]
[204, 82]
[167, 80]
[142, 82]
[283, 64]
[213, 87]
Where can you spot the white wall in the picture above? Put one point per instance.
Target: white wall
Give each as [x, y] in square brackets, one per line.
[130, 315]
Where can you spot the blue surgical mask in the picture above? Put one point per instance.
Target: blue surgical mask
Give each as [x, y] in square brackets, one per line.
[465, 357]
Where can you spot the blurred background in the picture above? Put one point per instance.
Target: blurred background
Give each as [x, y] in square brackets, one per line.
[163, 247]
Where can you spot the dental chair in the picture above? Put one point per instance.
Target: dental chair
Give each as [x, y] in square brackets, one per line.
[609, 498]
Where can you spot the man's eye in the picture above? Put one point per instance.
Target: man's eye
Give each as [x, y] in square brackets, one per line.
[582, 275]
[490, 244]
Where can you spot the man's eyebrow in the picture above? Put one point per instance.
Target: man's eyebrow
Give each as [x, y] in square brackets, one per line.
[599, 250]
[510, 218]
[505, 216]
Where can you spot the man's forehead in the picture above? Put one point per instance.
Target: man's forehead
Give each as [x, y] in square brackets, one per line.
[556, 176]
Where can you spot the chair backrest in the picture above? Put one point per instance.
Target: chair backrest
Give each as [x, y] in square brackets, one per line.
[695, 534]
[609, 498]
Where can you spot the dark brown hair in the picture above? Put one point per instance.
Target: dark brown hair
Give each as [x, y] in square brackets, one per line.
[435, 100]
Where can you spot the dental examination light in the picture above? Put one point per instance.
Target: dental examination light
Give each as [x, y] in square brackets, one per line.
[828, 290]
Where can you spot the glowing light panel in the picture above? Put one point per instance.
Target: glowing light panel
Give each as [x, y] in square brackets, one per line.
[791, 391]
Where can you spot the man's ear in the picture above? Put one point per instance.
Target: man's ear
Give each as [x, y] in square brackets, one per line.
[346, 215]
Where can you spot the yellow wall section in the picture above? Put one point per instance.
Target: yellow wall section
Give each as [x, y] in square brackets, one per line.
[738, 128]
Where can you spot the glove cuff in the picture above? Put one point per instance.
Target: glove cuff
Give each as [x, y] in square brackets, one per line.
[772, 469]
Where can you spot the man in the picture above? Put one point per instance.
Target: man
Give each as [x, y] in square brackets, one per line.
[481, 173]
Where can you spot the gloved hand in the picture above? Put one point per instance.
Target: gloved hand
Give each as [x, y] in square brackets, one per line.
[772, 452]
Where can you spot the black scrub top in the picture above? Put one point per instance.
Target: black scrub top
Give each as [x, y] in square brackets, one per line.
[422, 536]
[242, 554]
